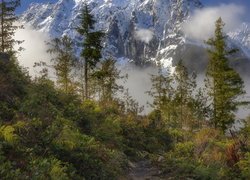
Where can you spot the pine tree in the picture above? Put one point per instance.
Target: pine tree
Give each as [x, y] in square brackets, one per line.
[162, 91]
[200, 107]
[223, 82]
[7, 20]
[185, 86]
[63, 62]
[106, 79]
[92, 46]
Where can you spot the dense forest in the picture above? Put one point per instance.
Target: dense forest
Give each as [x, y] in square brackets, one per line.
[85, 125]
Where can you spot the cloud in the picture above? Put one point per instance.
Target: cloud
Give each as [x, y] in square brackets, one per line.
[201, 26]
[138, 83]
[245, 112]
[144, 35]
[35, 48]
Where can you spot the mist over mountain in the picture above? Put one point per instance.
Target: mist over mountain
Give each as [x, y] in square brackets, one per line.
[144, 31]
[125, 89]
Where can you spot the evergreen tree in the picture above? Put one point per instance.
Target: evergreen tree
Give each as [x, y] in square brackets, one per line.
[200, 107]
[224, 83]
[63, 62]
[92, 47]
[13, 86]
[162, 91]
[185, 86]
[106, 79]
[7, 20]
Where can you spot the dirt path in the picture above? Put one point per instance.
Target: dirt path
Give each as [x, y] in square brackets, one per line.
[143, 170]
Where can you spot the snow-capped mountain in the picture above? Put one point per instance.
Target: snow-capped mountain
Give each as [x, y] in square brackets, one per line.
[241, 37]
[138, 30]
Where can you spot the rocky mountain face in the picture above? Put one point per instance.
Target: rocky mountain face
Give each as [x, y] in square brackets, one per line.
[138, 30]
[241, 37]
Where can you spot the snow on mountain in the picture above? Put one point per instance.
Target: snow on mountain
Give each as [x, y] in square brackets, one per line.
[241, 37]
[138, 30]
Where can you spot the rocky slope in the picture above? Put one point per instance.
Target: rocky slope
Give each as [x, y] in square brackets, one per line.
[138, 30]
[241, 37]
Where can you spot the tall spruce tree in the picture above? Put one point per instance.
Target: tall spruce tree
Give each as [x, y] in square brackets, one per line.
[185, 86]
[63, 63]
[106, 79]
[7, 20]
[92, 46]
[223, 82]
[162, 92]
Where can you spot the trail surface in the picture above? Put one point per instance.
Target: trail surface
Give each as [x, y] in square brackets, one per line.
[143, 170]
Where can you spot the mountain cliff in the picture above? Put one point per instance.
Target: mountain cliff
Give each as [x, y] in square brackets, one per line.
[138, 30]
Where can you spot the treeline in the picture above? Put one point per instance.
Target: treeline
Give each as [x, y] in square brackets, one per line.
[80, 128]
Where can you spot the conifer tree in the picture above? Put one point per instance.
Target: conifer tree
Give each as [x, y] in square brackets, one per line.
[106, 79]
[223, 82]
[7, 20]
[162, 91]
[185, 86]
[63, 62]
[91, 46]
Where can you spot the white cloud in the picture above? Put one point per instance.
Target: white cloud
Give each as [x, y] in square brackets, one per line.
[138, 83]
[144, 35]
[201, 24]
[35, 48]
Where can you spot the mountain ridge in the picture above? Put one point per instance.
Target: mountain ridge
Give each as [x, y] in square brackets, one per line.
[138, 30]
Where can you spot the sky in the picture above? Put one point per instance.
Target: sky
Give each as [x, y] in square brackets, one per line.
[246, 3]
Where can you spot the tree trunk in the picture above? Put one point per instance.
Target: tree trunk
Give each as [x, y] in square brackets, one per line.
[2, 26]
[86, 78]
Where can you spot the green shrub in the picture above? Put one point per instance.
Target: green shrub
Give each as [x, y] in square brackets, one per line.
[244, 166]
[185, 149]
[40, 168]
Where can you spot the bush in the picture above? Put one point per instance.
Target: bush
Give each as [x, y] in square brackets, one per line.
[44, 168]
[244, 166]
